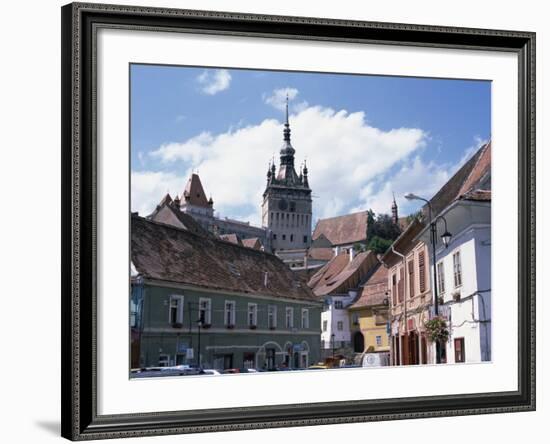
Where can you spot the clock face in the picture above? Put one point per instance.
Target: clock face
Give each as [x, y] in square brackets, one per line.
[283, 204]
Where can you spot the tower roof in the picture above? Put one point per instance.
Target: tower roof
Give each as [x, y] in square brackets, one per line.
[194, 192]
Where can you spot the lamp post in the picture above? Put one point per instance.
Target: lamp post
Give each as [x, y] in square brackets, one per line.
[332, 337]
[200, 321]
[446, 237]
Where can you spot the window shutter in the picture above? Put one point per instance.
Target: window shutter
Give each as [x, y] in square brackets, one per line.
[411, 278]
[421, 272]
[401, 286]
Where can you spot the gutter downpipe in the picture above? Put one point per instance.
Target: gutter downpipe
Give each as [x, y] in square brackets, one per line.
[404, 295]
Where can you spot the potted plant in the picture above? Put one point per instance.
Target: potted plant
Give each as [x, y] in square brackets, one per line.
[437, 329]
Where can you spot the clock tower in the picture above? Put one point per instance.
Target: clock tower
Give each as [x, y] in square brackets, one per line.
[286, 207]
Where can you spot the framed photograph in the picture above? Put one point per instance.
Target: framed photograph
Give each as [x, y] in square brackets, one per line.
[274, 221]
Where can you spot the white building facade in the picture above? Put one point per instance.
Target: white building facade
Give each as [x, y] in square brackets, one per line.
[335, 322]
[463, 272]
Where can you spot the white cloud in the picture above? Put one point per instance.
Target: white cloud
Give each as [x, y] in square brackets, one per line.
[212, 82]
[277, 99]
[344, 154]
[148, 188]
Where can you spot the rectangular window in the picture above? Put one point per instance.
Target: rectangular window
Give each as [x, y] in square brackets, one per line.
[305, 318]
[284, 236]
[164, 360]
[440, 278]
[252, 315]
[289, 317]
[291, 238]
[271, 316]
[229, 313]
[394, 288]
[176, 310]
[340, 325]
[274, 236]
[305, 239]
[401, 285]
[379, 341]
[411, 278]
[459, 350]
[338, 305]
[421, 272]
[325, 325]
[205, 312]
[457, 268]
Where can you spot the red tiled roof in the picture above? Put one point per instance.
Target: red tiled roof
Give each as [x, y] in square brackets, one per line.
[253, 242]
[343, 230]
[321, 254]
[163, 252]
[466, 178]
[233, 238]
[194, 193]
[340, 274]
[374, 290]
[166, 211]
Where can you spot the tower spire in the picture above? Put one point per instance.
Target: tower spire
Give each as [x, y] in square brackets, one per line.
[394, 215]
[286, 131]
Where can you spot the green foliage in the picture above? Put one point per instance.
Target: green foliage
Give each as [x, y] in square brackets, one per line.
[437, 330]
[381, 232]
[379, 245]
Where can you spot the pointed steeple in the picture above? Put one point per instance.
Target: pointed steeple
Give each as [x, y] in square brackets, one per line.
[394, 215]
[287, 152]
[304, 172]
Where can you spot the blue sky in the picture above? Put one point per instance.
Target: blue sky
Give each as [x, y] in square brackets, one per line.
[364, 136]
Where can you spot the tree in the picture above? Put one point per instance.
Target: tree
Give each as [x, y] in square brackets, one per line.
[381, 232]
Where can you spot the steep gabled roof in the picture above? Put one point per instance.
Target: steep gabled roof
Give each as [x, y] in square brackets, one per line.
[340, 274]
[233, 238]
[194, 192]
[253, 242]
[163, 252]
[468, 177]
[343, 230]
[166, 212]
[374, 291]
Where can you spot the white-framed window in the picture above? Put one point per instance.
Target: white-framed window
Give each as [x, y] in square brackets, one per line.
[175, 313]
[325, 325]
[378, 341]
[272, 316]
[289, 317]
[440, 278]
[457, 269]
[229, 313]
[205, 310]
[338, 305]
[252, 315]
[340, 325]
[305, 318]
[164, 360]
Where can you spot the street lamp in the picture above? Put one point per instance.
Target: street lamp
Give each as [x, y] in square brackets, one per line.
[446, 238]
[332, 337]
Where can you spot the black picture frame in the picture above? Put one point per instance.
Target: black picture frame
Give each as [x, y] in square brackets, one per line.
[79, 169]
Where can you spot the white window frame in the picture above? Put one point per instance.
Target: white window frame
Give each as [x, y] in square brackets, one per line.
[457, 268]
[179, 306]
[339, 303]
[166, 361]
[207, 310]
[252, 310]
[231, 312]
[440, 278]
[305, 318]
[325, 325]
[289, 320]
[378, 340]
[340, 324]
[272, 316]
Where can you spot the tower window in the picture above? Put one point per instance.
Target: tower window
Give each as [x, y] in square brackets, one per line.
[284, 236]
[274, 236]
[305, 239]
[292, 206]
[291, 238]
